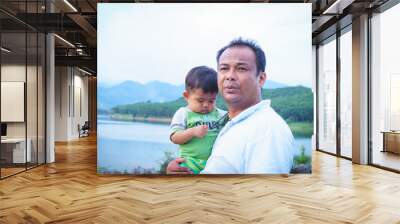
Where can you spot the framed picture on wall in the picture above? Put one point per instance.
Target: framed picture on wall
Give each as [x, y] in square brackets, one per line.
[204, 88]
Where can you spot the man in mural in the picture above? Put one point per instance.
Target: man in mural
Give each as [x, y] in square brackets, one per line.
[255, 139]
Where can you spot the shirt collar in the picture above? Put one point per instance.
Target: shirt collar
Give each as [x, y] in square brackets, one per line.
[249, 111]
[245, 114]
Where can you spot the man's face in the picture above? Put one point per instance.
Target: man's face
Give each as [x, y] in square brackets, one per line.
[238, 82]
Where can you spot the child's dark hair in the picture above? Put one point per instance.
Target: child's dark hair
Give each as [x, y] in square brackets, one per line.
[202, 77]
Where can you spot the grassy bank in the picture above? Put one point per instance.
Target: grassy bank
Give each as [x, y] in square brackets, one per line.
[303, 129]
[129, 117]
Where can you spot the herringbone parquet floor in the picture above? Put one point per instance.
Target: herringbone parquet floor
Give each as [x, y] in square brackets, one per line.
[70, 191]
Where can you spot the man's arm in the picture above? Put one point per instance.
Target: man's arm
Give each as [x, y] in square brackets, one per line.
[182, 137]
[174, 167]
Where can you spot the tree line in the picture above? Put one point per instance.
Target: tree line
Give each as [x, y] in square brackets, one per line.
[294, 104]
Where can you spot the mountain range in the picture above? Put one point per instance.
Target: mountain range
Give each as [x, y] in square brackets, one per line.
[129, 92]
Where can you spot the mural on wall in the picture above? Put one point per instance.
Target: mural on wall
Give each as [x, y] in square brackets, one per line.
[169, 103]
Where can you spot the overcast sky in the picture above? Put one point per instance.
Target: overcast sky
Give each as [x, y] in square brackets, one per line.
[149, 41]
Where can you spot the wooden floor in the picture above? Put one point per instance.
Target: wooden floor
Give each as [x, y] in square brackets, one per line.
[5, 172]
[70, 191]
[387, 159]
[10, 171]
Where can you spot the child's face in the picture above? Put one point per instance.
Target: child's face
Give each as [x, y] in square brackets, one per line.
[200, 102]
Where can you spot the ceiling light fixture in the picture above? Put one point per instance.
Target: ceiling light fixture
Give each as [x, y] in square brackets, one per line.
[79, 51]
[70, 5]
[5, 50]
[84, 71]
[64, 40]
[338, 6]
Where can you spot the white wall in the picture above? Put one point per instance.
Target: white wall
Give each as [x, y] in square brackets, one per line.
[314, 90]
[80, 110]
[33, 126]
[71, 102]
[12, 73]
[62, 81]
[50, 94]
[360, 90]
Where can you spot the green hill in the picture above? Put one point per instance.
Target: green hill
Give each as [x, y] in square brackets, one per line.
[294, 104]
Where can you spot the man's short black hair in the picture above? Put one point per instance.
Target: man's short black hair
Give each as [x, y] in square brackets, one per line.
[239, 42]
[202, 77]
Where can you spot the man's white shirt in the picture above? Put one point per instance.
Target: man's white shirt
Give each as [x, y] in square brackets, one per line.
[257, 141]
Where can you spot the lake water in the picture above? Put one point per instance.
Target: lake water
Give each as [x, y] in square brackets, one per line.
[123, 146]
